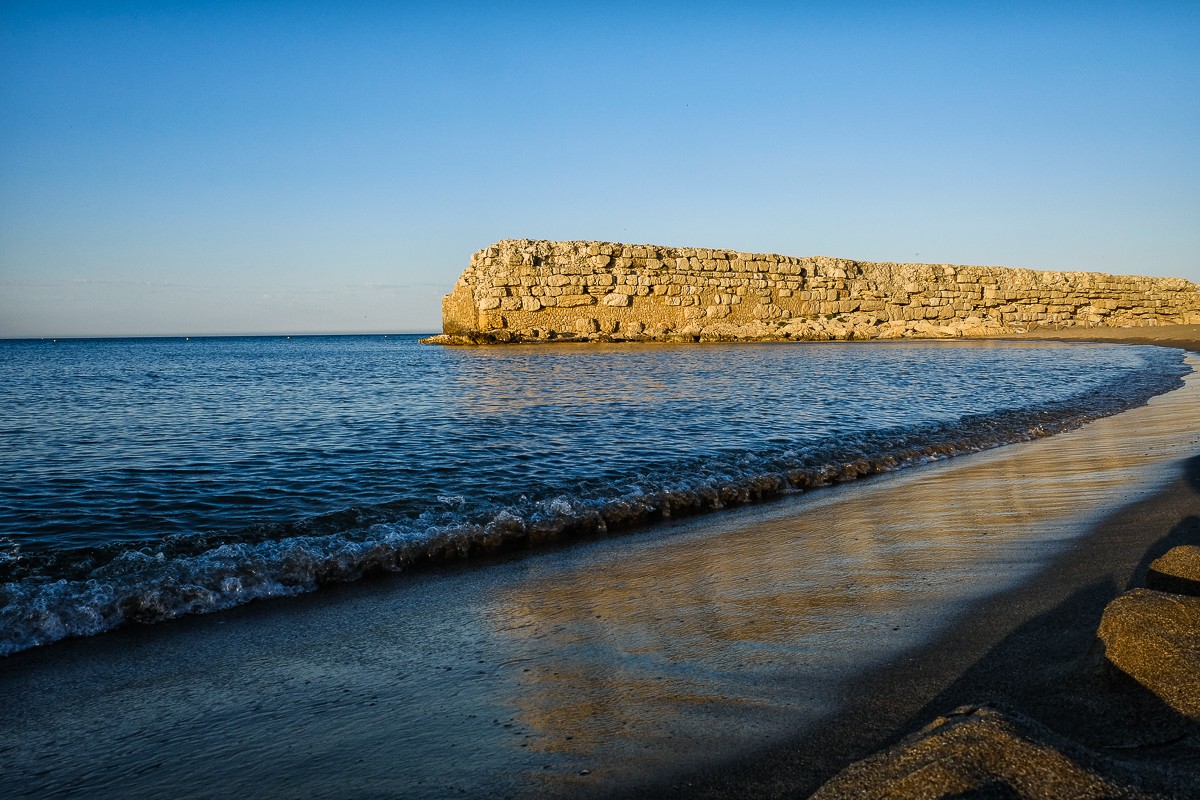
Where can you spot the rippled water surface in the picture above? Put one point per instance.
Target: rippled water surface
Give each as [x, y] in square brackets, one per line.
[143, 479]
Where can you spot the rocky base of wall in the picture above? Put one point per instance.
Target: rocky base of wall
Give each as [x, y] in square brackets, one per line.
[851, 327]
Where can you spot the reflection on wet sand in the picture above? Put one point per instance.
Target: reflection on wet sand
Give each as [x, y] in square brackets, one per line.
[696, 644]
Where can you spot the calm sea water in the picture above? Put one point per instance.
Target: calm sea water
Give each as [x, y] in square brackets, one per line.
[142, 479]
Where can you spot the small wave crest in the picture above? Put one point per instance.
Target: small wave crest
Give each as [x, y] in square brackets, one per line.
[84, 594]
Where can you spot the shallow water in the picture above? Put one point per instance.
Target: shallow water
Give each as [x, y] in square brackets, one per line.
[147, 479]
[635, 658]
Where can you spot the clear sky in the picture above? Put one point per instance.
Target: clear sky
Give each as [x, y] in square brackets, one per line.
[242, 167]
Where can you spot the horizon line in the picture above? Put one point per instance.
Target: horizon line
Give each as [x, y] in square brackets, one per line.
[270, 335]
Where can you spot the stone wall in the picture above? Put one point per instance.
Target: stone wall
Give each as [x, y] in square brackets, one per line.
[524, 290]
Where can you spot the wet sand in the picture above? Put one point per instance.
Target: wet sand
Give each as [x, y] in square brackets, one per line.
[751, 653]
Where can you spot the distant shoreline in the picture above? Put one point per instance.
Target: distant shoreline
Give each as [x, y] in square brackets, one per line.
[1186, 337]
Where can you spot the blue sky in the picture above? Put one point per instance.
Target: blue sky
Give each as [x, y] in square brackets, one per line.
[190, 168]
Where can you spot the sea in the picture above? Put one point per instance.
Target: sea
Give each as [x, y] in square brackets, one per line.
[144, 479]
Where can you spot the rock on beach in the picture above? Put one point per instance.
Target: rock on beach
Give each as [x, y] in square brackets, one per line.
[1154, 638]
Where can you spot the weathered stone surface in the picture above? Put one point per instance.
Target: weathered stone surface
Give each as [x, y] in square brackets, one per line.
[714, 295]
[979, 752]
[1178, 571]
[573, 300]
[617, 300]
[1154, 638]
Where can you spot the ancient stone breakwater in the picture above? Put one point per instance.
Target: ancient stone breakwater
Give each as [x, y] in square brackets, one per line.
[524, 290]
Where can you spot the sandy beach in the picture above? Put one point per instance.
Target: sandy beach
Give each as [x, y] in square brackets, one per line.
[704, 660]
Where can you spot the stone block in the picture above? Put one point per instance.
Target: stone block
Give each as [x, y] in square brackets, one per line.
[572, 300]
[617, 300]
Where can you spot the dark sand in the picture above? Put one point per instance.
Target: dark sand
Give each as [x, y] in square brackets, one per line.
[693, 661]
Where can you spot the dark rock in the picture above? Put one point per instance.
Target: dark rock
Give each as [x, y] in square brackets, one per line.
[1177, 571]
[980, 752]
[1154, 638]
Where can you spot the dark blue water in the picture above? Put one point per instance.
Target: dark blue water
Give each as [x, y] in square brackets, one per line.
[142, 479]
